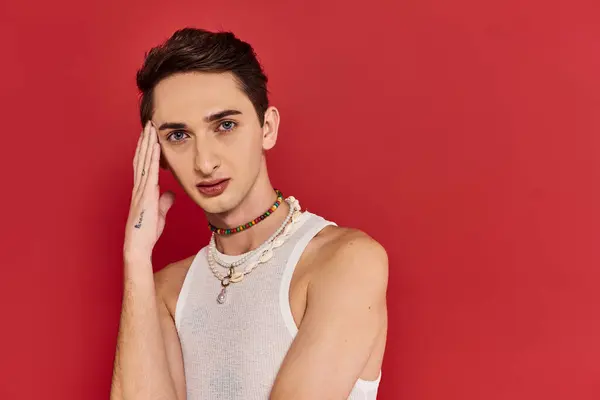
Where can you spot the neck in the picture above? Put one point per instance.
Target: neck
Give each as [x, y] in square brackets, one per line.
[259, 199]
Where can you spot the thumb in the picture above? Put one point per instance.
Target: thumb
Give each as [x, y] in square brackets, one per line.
[165, 202]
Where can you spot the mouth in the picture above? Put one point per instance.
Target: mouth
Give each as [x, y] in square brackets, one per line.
[213, 188]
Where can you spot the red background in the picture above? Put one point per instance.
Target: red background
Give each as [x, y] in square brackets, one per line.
[463, 135]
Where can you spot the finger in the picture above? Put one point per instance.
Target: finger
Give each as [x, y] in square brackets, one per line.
[136, 158]
[152, 179]
[165, 202]
[142, 158]
[149, 156]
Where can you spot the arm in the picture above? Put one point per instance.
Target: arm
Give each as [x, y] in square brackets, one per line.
[148, 362]
[345, 313]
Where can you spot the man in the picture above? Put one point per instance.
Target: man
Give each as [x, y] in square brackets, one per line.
[281, 304]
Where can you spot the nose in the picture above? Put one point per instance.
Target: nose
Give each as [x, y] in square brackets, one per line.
[206, 161]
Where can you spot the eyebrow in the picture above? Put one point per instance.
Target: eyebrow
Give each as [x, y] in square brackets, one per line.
[221, 114]
[209, 118]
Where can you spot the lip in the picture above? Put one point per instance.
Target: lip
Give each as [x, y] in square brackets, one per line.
[213, 188]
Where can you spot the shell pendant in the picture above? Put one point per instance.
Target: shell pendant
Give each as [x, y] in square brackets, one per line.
[222, 295]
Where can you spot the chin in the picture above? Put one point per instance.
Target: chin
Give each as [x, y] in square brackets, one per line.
[215, 205]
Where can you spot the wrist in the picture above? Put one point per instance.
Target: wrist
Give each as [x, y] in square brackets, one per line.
[135, 258]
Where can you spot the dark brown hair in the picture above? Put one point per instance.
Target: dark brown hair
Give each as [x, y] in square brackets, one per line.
[192, 49]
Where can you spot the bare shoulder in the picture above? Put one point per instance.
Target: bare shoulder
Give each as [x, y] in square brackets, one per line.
[347, 288]
[169, 280]
[351, 252]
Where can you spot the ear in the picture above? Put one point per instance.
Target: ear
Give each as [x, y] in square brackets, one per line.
[270, 128]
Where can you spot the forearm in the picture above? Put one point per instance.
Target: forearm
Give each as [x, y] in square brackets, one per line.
[141, 369]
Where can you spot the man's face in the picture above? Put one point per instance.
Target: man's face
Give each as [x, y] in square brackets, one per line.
[208, 130]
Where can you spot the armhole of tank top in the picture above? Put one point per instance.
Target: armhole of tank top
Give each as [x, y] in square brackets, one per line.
[185, 288]
[284, 296]
[368, 386]
[286, 280]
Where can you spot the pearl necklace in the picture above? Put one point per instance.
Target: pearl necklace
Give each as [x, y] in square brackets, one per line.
[217, 258]
[266, 251]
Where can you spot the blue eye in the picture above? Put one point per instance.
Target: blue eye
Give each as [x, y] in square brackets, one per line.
[227, 126]
[176, 136]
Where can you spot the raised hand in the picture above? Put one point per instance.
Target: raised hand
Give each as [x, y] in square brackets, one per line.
[148, 208]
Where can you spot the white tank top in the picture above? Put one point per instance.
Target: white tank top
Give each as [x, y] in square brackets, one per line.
[233, 351]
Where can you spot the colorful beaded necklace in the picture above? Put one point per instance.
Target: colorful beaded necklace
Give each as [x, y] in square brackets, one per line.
[231, 231]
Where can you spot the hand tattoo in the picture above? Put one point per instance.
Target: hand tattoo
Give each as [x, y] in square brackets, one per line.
[139, 224]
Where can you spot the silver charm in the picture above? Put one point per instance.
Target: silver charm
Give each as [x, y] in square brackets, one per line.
[222, 295]
[224, 283]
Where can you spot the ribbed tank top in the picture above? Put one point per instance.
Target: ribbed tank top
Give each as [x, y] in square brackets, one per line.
[233, 351]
